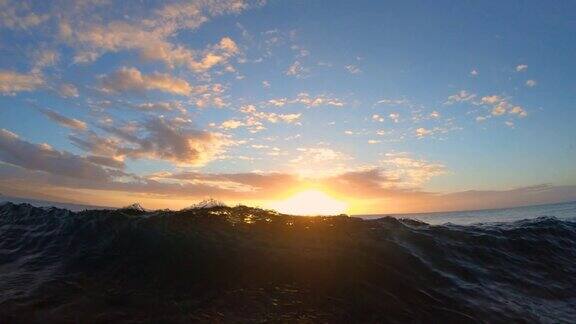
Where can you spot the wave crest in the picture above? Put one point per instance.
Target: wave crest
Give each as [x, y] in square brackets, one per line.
[247, 264]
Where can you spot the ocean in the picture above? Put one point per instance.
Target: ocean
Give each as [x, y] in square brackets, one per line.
[565, 211]
[241, 264]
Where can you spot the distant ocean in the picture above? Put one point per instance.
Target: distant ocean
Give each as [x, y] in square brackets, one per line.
[564, 211]
[244, 265]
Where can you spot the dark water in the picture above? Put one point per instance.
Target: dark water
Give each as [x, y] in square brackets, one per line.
[247, 265]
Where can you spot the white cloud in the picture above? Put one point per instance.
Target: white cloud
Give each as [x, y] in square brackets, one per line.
[474, 72]
[521, 68]
[320, 154]
[278, 102]
[231, 124]
[63, 120]
[218, 54]
[157, 138]
[353, 69]
[531, 83]
[491, 100]
[45, 58]
[68, 90]
[499, 109]
[131, 79]
[501, 106]
[163, 106]
[393, 102]
[378, 118]
[410, 172]
[308, 100]
[255, 118]
[151, 36]
[297, 70]
[12, 82]
[422, 132]
[517, 110]
[461, 96]
[18, 15]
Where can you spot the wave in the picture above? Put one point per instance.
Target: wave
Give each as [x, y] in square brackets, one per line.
[249, 265]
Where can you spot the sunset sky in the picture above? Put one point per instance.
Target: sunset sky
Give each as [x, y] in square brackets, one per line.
[383, 106]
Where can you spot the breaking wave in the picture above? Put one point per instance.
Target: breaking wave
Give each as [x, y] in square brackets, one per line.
[243, 264]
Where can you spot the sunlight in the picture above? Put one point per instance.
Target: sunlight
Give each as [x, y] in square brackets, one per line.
[310, 202]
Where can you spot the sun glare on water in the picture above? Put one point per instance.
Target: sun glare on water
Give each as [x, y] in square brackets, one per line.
[310, 202]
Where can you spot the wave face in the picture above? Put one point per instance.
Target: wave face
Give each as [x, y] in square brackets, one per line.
[247, 265]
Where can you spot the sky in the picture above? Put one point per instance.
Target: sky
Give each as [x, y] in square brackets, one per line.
[382, 106]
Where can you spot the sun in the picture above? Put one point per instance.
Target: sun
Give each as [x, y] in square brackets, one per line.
[310, 203]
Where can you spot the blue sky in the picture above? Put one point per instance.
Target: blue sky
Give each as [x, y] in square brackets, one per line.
[416, 102]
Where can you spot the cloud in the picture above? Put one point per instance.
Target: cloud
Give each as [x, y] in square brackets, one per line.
[395, 117]
[378, 118]
[501, 106]
[232, 124]
[318, 154]
[459, 97]
[474, 72]
[373, 189]
[278, 102]
[391, 187]
[68, 90]
[499, 109]
[191, 15]
[321, 100]
[517, 110]
[373, 141]
[353, 69]
[304, 98]
[209, 96]
[106, 161]
[531, 83]
[297, 70]
[131, 79]
[158, 138]
[160, 106]
[43, 157]
[18, 15]
[521, 68]
[411, 172]
[215, 55]
[252, 183]
[491, 100]
[64, 121]
[12, 82]
[318, 161]
[393, 102]
[151, 36]
[482, 199]
[422, 132]
[363, 184]
[255, 118]
[45, 58]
